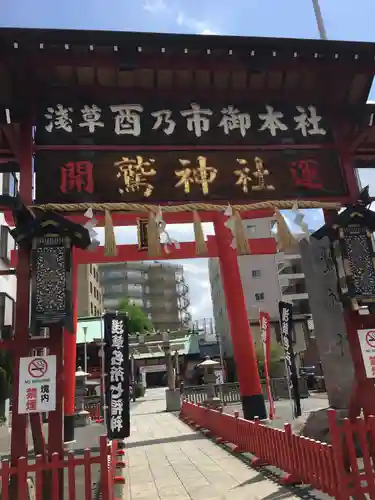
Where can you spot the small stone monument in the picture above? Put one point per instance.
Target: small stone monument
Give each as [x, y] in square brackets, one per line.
[82, 417]
[209, 377]
[172, 395]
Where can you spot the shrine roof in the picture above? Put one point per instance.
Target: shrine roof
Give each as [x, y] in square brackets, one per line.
[56, 38]
[334, 72]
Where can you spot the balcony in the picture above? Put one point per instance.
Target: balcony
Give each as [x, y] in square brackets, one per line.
[282, 257]
[287, 280]
[132, 291]
[295, 296]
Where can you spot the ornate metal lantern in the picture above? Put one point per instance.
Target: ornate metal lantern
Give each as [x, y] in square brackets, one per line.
[51, 238]
[352, 252]
[51, 281]
[51, 264]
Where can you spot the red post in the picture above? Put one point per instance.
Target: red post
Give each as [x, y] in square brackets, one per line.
[55, 418]
[363, 394]
[247, 367]
[70, 355]
[20, 343]
[18, 445]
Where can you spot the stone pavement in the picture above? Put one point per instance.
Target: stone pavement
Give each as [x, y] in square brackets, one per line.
[166, 460]
[284, 412]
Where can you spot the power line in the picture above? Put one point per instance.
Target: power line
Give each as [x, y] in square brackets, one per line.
[319, 20]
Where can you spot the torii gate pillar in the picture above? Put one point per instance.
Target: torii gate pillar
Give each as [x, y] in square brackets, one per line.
[70, 356]
[244, 352]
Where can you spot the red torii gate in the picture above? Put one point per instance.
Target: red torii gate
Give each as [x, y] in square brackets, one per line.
[222, 70]
[215, 248]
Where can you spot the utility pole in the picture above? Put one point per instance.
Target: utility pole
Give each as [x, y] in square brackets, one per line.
[85, 348]
[319, 20]
[132, 372]
[219, 342]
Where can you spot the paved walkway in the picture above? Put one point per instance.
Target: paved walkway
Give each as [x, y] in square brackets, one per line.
[169, 461]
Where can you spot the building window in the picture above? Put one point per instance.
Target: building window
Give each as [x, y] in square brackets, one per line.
[91, 308]
[113, 274]
[259, 297]
[10, 184]
[90, 287]
[4, 239]
[256, 273]
[7, 310]
[90, 268]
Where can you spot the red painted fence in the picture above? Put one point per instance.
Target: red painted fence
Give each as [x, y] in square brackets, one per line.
[79, 476]
[331, 468]
[95, 411]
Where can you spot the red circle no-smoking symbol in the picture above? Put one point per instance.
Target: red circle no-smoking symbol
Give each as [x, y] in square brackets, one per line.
[38, 367]
[370, 338]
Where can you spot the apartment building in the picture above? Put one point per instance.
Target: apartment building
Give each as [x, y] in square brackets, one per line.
[159, 288]
[266, 279]
[8, 284]
[90, 296]
[292, 281]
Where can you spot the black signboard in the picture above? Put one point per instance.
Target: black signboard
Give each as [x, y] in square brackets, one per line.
[286, 319]
[186, 176]
[116, 352]
[192, 122]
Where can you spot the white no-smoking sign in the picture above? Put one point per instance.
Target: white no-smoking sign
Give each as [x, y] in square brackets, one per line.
[38, 367]
[370, 338]
[367, 342]
[37, 385]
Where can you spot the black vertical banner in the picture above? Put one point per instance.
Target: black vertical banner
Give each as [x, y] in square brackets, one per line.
[116, 355]
[286, 323]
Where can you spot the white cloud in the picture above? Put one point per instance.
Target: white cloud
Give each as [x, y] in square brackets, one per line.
[201, 27]
[195, 269]
[180, 232]
[207, 32]
[155, 6]
[313, 217]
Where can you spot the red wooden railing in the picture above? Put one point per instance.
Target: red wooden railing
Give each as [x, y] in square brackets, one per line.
[74, 488]
[94, 410]
[332, 468]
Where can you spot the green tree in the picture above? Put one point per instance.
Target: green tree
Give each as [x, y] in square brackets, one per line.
[138, 320]
[276, 354]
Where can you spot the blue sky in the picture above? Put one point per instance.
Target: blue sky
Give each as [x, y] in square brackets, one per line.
[344, 20]
[286, 18]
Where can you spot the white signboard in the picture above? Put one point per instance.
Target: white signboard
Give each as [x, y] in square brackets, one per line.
[367, 343]
[37, 385]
